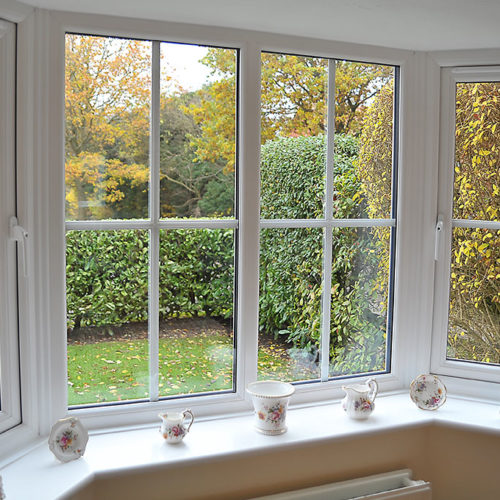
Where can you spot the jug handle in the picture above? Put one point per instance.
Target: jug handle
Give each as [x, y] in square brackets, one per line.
[372, 384]
[188, 412]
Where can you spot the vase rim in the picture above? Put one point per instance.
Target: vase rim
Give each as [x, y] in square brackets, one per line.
[270, 389]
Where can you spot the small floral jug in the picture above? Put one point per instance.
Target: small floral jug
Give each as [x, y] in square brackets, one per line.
[359, 401]
[172, 426]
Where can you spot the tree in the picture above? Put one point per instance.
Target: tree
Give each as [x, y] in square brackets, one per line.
[294, 95]
[215, 112]
[107, 123]
[189, 186]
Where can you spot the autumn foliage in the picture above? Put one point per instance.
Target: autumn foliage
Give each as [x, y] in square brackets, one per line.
[474, 321]
[474, 326]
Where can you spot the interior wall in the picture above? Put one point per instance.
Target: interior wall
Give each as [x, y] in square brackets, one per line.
[460, 464]
[463, 465]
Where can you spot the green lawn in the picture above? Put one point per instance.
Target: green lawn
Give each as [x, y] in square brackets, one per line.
[118, 370]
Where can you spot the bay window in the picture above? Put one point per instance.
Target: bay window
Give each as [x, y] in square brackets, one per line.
[222, 207]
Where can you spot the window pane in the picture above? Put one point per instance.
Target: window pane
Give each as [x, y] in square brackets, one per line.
[360, 300]
[196, 310]
[108, 98]
[474, 321]
[198, 131]
[11, 265]
[476, 192]
[290, 303]
[107, 313]
[293, 125]
[365, 115]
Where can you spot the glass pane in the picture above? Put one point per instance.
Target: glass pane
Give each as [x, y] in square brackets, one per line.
[196, 310]
[197, 131]
[290, 303]
[360, 300]
[107, 313]
[10, 265]
[108, 98]
[474, 321]
[476, 192]
[293, 124]
[364, 115]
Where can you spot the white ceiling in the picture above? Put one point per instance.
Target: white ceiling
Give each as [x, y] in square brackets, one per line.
[407, 24]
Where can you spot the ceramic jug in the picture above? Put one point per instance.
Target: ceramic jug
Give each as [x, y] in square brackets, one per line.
[359, 401]
[173, 428]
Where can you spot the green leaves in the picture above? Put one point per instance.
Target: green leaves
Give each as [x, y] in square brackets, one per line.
[107, 275]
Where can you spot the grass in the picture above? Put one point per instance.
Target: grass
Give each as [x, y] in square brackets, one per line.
[119, 370]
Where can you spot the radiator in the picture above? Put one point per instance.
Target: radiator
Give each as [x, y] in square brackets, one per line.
[397, 484]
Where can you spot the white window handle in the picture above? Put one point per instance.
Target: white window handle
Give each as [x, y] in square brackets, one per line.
[19, 234]
[438, 239]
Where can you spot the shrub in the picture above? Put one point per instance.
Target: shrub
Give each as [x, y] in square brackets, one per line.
[292, 186]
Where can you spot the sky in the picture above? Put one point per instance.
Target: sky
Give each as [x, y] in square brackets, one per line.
[182, 62]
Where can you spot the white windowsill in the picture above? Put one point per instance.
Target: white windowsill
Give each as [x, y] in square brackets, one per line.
[115, 451]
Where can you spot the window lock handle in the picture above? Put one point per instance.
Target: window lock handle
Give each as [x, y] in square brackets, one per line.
[20, 235]
[438, 238]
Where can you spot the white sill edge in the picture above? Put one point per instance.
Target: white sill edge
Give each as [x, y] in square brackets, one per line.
[224, 437]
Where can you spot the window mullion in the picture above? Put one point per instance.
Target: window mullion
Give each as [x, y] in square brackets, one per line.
[154, 234]
[328, 232]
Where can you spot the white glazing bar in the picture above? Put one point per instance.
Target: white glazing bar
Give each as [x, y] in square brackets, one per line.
[328, 231]
[154, 233]
[109, 225]
[249, 197]
[106, 225]
[297, 223]
[477, 224]
[198, 224]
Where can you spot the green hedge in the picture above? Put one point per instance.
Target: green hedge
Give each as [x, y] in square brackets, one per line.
[107, 272]
[107, 275]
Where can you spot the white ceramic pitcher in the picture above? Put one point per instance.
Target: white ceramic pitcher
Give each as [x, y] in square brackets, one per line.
[359, 401]
[173, 428]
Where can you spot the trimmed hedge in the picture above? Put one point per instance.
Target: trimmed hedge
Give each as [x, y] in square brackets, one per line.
[107, 275]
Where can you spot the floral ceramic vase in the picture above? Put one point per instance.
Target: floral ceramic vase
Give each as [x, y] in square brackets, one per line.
[270, 401]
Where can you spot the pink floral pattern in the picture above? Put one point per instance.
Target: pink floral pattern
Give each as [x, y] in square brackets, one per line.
[428, 392]
[274, 414]
[174, 432]
[66, 440]
[363, 405]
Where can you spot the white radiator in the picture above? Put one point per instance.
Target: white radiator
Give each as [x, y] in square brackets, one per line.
[397, 484]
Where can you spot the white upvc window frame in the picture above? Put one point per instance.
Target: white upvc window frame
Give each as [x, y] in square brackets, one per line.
[10, 391]
[41, 208]
[440, 365]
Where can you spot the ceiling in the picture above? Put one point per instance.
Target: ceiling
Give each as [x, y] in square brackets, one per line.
[407, 24]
